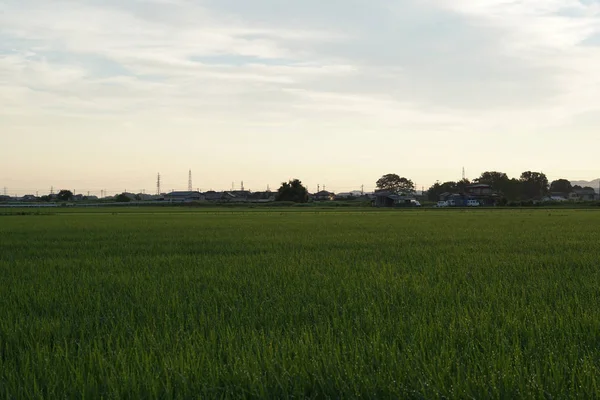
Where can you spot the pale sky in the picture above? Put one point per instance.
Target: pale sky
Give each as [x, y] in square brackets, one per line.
[104, 94]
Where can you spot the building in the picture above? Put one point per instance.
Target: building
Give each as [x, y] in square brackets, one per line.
[384, 198]
[479, 189]
[184, 196]
[585, 194]
[323, 195]
[484, 194]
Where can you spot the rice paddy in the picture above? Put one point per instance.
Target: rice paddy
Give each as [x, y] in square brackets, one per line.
[161, 303]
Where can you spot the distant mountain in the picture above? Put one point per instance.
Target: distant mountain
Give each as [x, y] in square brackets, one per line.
[595, 183]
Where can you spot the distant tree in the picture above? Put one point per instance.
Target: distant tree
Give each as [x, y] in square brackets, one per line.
[461, 185]
[292, 191]
[396, 184]
[434, 192]
[512, 189]
[497, 180]
[122, 198]
[64, 195]
[561, 186]
[589, 188]
[45, 198]
[533, 185]
[577, 187]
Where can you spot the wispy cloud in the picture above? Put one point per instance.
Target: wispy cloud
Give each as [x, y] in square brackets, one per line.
[486, 69]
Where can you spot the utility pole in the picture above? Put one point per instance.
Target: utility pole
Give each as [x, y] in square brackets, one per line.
[318, 188]
[242, 186]
[51, 189]
[158, 185]
[362, 190]
[5, 190]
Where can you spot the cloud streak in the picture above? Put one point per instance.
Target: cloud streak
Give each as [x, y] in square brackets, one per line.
[341, 69]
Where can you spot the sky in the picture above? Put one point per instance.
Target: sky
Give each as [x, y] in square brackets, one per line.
[105, 94]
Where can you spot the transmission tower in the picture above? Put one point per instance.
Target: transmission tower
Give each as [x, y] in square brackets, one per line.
[242, 186]
[158, 185]
[190, 181]
[463, 173]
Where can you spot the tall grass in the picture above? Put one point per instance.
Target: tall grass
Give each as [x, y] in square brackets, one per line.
[305, 304]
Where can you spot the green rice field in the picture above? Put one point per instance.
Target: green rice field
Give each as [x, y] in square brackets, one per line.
[214, 303]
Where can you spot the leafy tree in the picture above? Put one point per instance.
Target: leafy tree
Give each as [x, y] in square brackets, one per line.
[561, 186]
[434, 192]
[497, 180]
[292, 191]
[122, 198]
[501, 183]
[64, 195]
[396, 184]
[45, 198]
[577, 187]
[533, 184]
[462, 185]
[512, 189]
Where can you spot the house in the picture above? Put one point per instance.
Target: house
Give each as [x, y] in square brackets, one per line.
[4, 198]
[585, 194]
[259, 197]
[344, 196]
[211, 195]
[384, 198]
[482, 193]
[323, 195]
[28, 197]
[479, 189]
[240, 195]
[553, 198]
[184, 196]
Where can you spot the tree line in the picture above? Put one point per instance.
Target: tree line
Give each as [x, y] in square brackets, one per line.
[529, 186]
